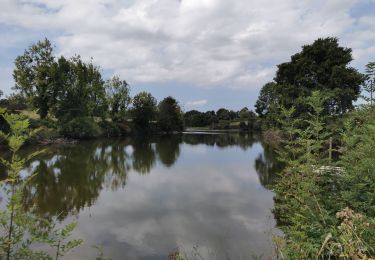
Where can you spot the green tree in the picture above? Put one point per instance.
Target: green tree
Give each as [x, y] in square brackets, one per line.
[369, 85]
[118, 95]
[223, 114]
[326, 212]
[322, 66]
[267, 106]
[359, 161]
[33, 76]
[80, 89]
[21, 229]
[144, 110]
[170, 115]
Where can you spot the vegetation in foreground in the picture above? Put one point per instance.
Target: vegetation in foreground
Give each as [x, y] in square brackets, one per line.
[22, 230]
[325, 195]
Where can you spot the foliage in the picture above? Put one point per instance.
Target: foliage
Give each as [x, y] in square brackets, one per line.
[352, 238]
[118, 95]
[33, 75]
[67, 88]
[14, 102]
[369, 84]
[268, 101]
[170, 115]
[80, 128]
[310, 193]
[195, 118]
[321, 66]
[272, 137]
[79, 90]
[144, 110]
[358, 159]
[22, 229]
[244, 120]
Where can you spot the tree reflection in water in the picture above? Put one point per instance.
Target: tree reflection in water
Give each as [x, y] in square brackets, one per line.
[267, 166]
[71, 177]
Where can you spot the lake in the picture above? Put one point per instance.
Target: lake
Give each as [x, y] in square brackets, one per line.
[201, 194]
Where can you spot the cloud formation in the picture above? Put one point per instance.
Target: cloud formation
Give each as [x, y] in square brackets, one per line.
[233, 44]
[196, 103]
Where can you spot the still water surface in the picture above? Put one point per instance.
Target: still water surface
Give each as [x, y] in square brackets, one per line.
[201, 194]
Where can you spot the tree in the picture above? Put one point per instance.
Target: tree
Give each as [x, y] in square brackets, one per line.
[369, 85]
[223, 114]
[118, 95]
[144, 110]
[195, 118]
[79, 89]
[33, 76]
[321, 66]
[170, 115]
[22, 230]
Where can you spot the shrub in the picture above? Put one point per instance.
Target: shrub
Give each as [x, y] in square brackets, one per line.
[272, 137]
[80, 128]
[44, 133]
[110, 128]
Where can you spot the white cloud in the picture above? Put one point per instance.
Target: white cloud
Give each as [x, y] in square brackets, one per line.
[196, 103]
[201, 42]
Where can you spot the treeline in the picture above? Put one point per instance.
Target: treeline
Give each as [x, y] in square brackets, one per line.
[71, 96]
[72, 99]
[223, 119]
[325, 194]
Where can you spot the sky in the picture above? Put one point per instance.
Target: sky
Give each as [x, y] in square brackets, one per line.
[206, 53]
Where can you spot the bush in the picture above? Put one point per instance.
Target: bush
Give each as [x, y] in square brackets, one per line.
[272, 137]
[80, 128]
[44, 133]
[47, 123]
[223, 125]
[114, 129]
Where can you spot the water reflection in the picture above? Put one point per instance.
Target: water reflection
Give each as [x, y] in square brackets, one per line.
[267, 166]
[200, 189]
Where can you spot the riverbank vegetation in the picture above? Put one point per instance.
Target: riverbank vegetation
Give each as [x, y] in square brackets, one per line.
[223, 119]
[22, 231]
[325, 193]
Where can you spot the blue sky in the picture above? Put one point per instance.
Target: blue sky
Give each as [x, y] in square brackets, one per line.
[206, 53]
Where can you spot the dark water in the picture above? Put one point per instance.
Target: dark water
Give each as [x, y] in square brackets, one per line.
[201, 194]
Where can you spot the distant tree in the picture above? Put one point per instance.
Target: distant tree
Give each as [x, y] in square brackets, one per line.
[144, 110]
[246, 114]
[33, 76]
[1, 93]
[267, 100]
[210, 118]
[14, 102]
[250, 118]
[233, 115]
[369, 85]
[321, 66]
[223, 114]
[170, 115]
[195, 118]
[118, 95]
